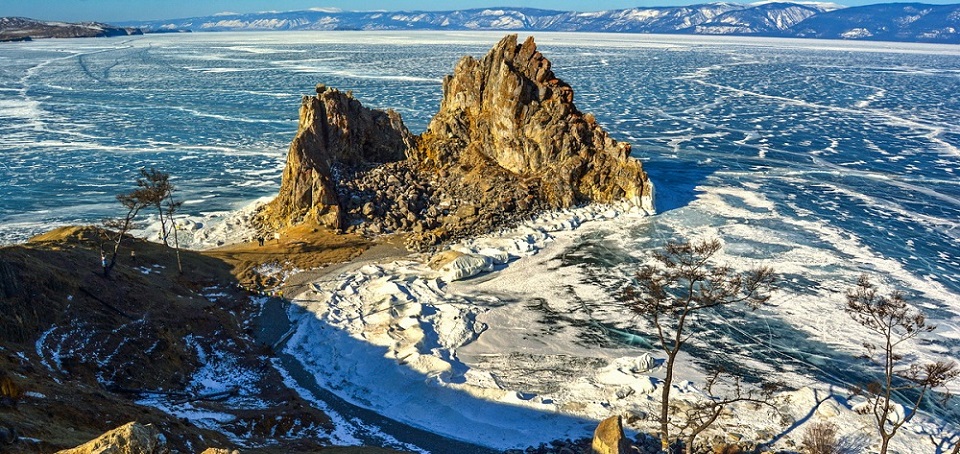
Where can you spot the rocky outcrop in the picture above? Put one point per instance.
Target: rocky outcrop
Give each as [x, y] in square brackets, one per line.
[507, 115]
[609, 437]
[507, 142]
[336, 134]
[131, 438]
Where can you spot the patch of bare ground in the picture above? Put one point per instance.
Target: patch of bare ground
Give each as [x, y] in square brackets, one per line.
[79, 352]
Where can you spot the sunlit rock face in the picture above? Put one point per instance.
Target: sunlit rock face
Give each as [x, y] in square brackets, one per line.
[506, 142]
[508, 113]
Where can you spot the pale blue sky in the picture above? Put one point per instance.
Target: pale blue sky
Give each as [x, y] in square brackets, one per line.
[123, 10]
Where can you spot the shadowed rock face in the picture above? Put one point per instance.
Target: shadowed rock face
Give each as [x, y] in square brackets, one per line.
[506, 142]
[335, 132]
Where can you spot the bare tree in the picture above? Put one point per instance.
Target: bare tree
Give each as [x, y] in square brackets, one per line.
[671, 292]
[118, 228]
[895, 323]
[156, 189]
[172, 206]
[821, 438]
[696, 417]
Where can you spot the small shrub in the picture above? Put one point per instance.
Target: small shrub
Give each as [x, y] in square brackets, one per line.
[820, 438]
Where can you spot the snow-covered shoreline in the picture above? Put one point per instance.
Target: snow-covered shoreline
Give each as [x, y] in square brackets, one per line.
[446, 350]
[209, 230]
[394, 330]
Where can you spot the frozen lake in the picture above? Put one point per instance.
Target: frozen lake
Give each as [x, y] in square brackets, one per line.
[822, 159]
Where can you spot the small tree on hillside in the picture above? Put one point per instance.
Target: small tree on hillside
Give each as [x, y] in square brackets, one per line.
[671, 293]
[172, 206]
[118, 228]
[158, 192]
[157, 189]
[895, 323]
[695, 417]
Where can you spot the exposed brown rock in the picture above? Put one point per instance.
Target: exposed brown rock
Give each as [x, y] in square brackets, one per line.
[508, 115]
[336, 132]
[609, 437]
[507, 142]
[220, 451]
[131, 438]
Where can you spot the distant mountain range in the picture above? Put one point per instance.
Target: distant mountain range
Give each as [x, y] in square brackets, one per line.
[911, 22]
[23, 29]
[889, 22]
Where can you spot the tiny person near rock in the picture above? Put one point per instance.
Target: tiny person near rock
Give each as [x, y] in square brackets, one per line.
[260, 240]
[133, 256]
[103, 261]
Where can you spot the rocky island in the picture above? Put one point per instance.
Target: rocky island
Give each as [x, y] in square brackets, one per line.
[507, 142]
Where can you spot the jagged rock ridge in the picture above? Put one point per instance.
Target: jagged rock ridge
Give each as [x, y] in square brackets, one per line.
[507, 142]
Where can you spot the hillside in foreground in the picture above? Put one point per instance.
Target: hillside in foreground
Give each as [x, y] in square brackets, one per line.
[81, 354]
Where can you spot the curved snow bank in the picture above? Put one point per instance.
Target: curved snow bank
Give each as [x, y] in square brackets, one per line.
[394, 338]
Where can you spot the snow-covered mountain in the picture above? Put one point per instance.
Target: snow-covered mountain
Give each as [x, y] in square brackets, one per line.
[901, 22]
[886, 22]
[777, 16]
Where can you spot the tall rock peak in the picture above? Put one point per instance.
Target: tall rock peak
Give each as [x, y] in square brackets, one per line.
[506, 142]
[335, 133]
[508, 111]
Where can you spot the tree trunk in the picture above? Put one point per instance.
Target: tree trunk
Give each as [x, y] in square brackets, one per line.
[665, 403]
[884, 442]
[163, 225]
[176, 243]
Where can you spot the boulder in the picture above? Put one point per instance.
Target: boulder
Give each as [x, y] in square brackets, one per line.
[457, 265]
[609, 437]
[131, 438]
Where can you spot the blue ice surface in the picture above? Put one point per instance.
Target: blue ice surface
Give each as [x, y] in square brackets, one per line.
[865, 143]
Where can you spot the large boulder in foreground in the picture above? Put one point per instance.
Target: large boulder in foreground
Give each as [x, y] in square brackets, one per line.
[508, 114]
[609, 438]
[336, 133]
[131, 438]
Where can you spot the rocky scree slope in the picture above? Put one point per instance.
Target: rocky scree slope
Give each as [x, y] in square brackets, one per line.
[507, 142]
